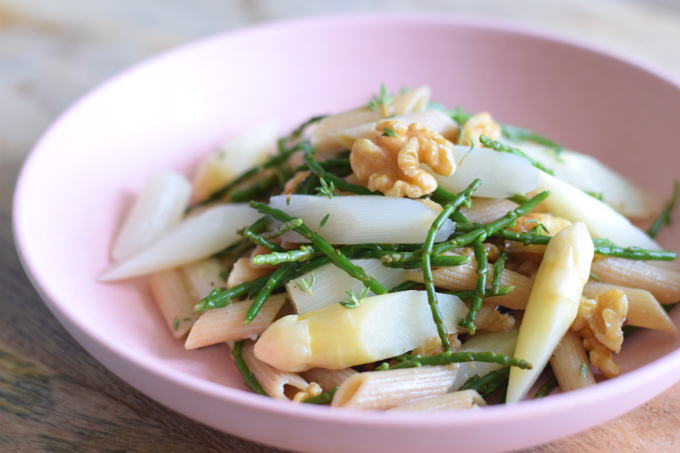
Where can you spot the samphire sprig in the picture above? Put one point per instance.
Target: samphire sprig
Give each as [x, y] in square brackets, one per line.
[665, 216]
[478, 298]
[248, 378]
[449, 357]
[304, 253]
[602, 246]
[320, 244]
[427, 255]
[308, 153]
[493, 144]
[486, 385]
[276, 280]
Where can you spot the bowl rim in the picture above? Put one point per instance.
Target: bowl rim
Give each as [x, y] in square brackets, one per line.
[156, 368]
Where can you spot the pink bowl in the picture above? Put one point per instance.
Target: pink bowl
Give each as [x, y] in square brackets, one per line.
[82, 175]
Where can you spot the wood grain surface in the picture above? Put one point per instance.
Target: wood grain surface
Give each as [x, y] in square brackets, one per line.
[54, 397]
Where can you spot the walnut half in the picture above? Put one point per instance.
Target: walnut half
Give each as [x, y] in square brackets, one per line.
[390, 161]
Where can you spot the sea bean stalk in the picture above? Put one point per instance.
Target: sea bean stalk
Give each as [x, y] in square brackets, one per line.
[449, 357]
[427, 255]
[602, 246]
[493, 144]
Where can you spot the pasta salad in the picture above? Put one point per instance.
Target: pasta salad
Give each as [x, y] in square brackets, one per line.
[405, 257]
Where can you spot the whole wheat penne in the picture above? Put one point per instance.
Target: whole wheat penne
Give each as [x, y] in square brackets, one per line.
[464, 277]
[244, 271]
[643, 308]
[386, 389]
[664, 284]
[276, 383]
[223, 324]
[570, 363]
[486, 210]
[326, 378]
[323, 136]
[454, 401]
[172, 295]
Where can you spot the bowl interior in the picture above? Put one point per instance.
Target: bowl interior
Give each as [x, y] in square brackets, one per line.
[167, 113]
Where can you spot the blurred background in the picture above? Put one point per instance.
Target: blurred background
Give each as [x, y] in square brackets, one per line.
[53, 51]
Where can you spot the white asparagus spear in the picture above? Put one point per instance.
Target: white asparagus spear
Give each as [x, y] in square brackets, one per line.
[589, 174]
[235, 157]
[360, 219]
[553, 304]
[502, 174]
[331, 283]
[338, 337]
[159, 206]
[602, 221]
[195, 238]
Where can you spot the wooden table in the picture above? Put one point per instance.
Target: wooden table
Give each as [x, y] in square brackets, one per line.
[54, 396]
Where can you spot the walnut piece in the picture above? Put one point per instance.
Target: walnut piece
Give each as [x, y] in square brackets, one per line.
[480, 124]
[390, 161]
[599, 323]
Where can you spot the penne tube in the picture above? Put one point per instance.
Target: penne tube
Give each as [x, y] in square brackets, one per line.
[159, 206]
[244, 270]
[224, 324]
[553, 304]
[276, 383]
[454, 401]
[664, 284]
[360, 219]
[326, 378]
[331, 284]
[195, 238]
[172, 296]
[380, 390]
[499, 343]
[643, 308]
[570, 363]
[464, 277]
[486, 210]
[323, 137]
[433, 120]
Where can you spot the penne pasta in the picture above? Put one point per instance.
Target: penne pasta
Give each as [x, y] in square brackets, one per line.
[454, 401]
[464, 277]
[664, 284]
[224, 324]
[385, 389]
[326, 378]
[276, 383]
[176, 304]
[643, 308]
[570, 363]
[485, 210]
